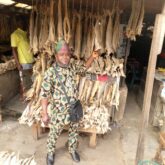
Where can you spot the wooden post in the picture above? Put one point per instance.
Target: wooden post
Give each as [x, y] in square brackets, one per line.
[128, 46]
[92, 140]
[163, 8]
[156, 46]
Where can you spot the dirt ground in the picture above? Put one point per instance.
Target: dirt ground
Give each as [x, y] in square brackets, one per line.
[117, 147]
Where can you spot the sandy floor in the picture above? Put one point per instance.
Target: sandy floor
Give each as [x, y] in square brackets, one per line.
[117, 147]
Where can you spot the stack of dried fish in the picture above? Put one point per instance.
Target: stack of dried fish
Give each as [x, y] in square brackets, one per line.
[96, 117]
[11, 158]
[33, 109]
[9, 65]
[135, 22]
[108, 65]
[99, 97]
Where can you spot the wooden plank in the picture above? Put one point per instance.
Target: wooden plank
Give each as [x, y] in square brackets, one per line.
[92, 140]
[156, 46]
[163, 8]
[0, 118]
[35, 131]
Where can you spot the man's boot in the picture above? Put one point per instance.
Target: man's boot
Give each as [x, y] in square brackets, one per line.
[75, 156]
[50, 159]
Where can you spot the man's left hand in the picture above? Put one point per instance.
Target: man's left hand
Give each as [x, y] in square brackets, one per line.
[95, 54]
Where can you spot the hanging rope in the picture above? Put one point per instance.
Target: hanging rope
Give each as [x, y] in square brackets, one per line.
[98, 7]
[86, 8]
[91, 13]
[80, 7]
[72, 5]
[102, 8]
[32, 5]
[40, 7]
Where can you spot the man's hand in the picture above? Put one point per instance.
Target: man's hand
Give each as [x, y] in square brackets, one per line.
[45, 118]
[19, 67]
[95, 54]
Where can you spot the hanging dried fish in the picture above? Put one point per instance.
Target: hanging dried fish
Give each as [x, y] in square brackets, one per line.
[59, 24]
[73, 29]
[31, 29]
[140, 21]
[116, 31]
[109, 35]
[78, 36]
[134, 26]
[51, 37]
[98, 35]
[35, 35]
[67, 28]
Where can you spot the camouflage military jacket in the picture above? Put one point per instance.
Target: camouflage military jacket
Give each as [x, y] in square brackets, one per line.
[51, 87]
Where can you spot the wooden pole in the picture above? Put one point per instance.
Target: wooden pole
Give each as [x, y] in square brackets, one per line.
[156, 46]
[163, 8]
[128, 46]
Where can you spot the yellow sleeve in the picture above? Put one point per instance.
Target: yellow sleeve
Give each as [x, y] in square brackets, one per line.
[14, 40]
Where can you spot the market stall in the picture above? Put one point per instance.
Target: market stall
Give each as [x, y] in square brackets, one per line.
[101, 100]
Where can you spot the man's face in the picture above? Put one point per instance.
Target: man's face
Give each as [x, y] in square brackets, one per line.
[63, 59]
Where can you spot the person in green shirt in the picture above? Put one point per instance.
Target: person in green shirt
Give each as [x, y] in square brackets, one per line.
[52, 94]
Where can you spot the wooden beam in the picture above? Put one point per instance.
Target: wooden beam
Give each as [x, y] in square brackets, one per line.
[163, 8]
[156, 46]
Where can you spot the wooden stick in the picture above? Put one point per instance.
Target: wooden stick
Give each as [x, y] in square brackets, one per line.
[156, 46]
[163, 8]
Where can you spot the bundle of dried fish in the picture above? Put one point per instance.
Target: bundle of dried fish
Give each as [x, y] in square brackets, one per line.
[116, 31]
[96, 117]
[60, 23]
[84, 37]
[109, 34]
[109, 65]
[31, 114]
[51, 37]
[90, 38]
[73, 29]
[135, 22]
[67, 28]
[9, 65]
[33, 109]
[35, 46]
[31, 29]
[11, 158]
[44, 31]
[78, 36]
[98, 35]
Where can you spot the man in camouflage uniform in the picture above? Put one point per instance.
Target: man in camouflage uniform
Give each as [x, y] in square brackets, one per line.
[53, 95]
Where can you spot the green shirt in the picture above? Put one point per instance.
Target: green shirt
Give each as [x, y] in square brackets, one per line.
[52, 89]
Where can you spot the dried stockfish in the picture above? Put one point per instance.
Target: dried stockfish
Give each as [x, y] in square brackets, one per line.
[78, 36]
[59, 24]
[67, 28]
[109, 35]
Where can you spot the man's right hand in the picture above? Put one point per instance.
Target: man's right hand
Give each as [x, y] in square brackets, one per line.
[19, 67]
[45, 118]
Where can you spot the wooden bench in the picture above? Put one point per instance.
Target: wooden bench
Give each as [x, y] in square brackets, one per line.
[38, 130]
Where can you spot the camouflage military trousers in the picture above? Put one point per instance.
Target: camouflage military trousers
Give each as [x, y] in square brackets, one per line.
[55, 131]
